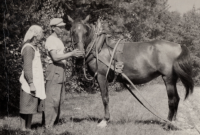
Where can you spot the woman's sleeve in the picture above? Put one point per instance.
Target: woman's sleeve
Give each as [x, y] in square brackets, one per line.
[28, 56]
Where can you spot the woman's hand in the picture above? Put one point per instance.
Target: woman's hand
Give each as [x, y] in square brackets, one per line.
[32, 89]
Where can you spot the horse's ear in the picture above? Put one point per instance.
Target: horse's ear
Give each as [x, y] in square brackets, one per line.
[86, 19]
[70, 19]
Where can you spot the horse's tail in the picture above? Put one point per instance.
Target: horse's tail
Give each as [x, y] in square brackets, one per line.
[183, 68]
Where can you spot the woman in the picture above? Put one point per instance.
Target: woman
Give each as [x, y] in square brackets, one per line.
[31, 79]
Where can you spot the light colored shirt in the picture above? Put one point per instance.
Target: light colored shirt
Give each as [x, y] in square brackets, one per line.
[53, 43]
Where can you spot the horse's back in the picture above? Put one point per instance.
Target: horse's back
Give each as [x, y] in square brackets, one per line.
[144, 61]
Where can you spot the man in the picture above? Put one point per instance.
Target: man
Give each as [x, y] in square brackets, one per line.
[55, 76]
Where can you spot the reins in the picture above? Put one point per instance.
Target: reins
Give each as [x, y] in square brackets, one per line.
[97, 31]
[114, 50]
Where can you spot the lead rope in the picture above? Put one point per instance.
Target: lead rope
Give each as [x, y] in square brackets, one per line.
[89, 50]
[156, 113]
[114, 50]
[98, 31]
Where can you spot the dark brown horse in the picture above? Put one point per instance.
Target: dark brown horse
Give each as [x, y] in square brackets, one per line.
[143, 61]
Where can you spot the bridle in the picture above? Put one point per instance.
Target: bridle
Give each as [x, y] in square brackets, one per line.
[97, 30]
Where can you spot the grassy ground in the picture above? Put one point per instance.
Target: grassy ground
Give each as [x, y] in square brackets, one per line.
[82, 112]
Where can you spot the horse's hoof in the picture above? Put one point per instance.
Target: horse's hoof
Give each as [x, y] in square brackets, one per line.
[168, 126]
[171, 126]
[102, 124]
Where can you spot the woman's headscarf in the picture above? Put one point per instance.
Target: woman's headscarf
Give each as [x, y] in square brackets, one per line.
[34, 30]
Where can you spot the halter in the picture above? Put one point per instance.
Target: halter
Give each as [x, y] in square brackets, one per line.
[97, 32]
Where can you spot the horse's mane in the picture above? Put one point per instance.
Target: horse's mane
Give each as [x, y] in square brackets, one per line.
[90, 33]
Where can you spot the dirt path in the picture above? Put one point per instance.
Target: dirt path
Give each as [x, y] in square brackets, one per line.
[193, 110]
[188, 117]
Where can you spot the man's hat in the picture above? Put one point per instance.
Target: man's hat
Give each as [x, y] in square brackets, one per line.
[57, 22]
[57, 30]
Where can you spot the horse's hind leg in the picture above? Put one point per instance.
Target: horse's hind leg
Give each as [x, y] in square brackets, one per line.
[173, 98]
[104, 94]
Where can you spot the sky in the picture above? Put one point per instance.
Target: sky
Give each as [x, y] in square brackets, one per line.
[183, 6]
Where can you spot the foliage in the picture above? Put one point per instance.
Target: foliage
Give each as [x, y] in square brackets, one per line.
[135, 20]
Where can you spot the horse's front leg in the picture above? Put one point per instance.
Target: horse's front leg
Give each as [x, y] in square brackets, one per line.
[105, 98]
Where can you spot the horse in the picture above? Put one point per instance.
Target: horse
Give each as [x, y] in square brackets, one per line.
[142, 62]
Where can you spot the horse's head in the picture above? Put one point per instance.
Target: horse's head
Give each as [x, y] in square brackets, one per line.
[80, 32]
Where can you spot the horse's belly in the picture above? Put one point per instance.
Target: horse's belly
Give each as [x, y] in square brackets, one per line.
[140, 64]
[140, 76]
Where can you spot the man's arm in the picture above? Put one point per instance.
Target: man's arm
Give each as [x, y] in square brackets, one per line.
[57, 57]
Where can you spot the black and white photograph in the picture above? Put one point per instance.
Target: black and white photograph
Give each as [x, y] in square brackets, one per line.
[100, 67]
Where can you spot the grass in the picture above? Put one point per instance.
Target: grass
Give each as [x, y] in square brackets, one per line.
[82, 112]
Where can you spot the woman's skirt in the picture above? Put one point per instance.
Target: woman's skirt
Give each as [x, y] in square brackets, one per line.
[29, 104]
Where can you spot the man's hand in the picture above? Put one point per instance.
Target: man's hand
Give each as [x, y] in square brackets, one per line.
[77, 53]
[32, 89]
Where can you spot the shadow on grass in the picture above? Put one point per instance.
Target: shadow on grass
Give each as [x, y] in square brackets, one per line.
[36, 125]
[12, 132]
[165, 125]
[66, 133]
[36, 129]
[151, 121]
[94, 119]
[64, 120]
[44, 131]
[50, 132]
[8, 131]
